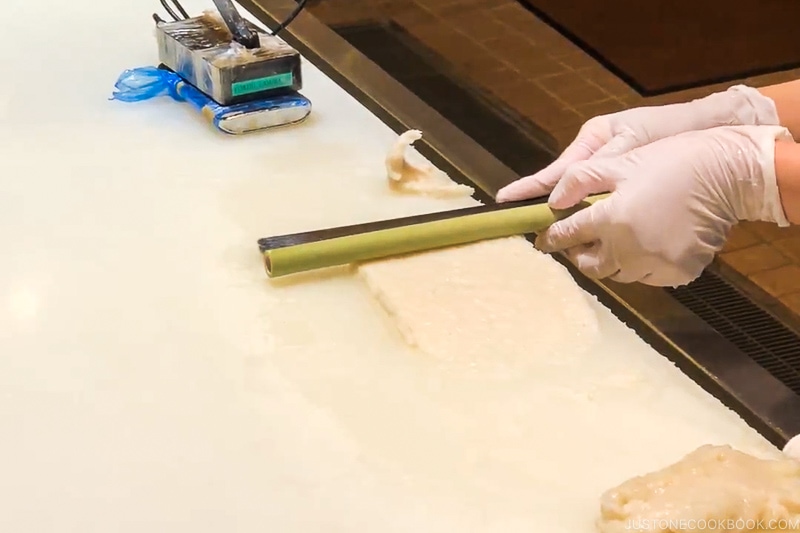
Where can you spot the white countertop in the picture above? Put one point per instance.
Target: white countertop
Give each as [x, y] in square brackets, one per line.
[153, 379]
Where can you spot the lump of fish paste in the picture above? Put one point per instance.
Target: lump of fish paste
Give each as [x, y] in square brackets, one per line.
[792, 448]
[418, 177]
[714, 488]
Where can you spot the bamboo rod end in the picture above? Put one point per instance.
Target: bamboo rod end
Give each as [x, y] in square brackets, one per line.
[267, 263]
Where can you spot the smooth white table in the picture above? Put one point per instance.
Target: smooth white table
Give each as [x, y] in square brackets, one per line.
[153, 379]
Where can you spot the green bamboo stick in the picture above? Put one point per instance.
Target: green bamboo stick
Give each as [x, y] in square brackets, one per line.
[383, 243]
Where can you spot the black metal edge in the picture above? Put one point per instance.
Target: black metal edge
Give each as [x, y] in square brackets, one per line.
[283, 241]
[537, 135]
[671, 329]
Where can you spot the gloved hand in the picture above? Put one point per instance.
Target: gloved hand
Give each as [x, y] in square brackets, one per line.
[671, 206]
[617, 133]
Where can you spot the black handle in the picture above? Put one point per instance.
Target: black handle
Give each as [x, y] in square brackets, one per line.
[242, 33]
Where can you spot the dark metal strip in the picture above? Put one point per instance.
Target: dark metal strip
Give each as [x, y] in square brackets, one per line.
[282, 241]
[702, 353]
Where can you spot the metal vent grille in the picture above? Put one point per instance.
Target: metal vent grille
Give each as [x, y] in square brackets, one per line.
[755, 332]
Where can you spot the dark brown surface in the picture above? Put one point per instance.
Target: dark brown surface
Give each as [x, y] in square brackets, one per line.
[663, 45]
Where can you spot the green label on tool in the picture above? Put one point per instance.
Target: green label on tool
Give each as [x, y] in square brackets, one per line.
[262, 84]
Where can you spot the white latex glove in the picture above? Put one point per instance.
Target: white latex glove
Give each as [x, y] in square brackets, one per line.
[617, 133]
[671, 206]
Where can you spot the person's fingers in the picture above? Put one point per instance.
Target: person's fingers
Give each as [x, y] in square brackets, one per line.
[583, 179]
[583, 227]
[620, 144]
[669, 275]
[593, 261]
[632, 274]
[534, 186]
[523, 189]
[541, 183]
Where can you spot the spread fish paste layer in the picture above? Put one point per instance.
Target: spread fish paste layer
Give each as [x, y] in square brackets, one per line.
[499, 301]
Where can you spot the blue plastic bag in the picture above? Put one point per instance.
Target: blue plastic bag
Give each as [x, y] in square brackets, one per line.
[144, 83]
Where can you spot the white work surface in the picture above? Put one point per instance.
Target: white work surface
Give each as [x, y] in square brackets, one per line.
[153, 379]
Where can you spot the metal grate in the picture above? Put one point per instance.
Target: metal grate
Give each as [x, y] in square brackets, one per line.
[755, 332]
